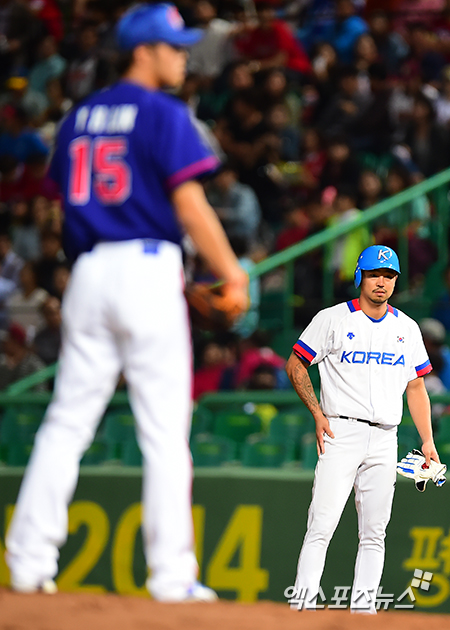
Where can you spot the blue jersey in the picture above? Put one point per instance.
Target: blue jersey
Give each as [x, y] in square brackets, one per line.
[118, 157]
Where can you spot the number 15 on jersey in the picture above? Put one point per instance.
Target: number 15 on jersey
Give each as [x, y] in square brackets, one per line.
[98, 167]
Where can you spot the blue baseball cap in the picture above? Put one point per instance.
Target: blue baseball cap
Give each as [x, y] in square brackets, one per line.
[153, 23]
[376, 257]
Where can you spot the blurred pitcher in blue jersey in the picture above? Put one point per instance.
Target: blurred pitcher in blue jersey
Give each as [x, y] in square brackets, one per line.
[127, 161]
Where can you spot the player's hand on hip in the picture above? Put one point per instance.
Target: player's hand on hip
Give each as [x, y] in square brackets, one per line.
[322, 428]
[430, 452]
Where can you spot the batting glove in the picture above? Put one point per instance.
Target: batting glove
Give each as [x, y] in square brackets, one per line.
[414, 467]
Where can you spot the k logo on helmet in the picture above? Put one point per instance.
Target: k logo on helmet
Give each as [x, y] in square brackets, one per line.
[384, 254]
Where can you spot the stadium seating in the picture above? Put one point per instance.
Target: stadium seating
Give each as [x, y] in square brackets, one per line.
[236, 425]
[18, 428]
[118, 427]
[267, 452]
[202, 420]
[309, 455]
[20, 423]
[444, 452]
[408, 438]
[443, 432]
[271, 310]
[442, 439]
[17, 454]
[96, 453]
[131, 453]
[212, 450]
[291, 425]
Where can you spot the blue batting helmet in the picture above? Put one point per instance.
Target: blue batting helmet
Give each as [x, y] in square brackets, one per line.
[376, 257]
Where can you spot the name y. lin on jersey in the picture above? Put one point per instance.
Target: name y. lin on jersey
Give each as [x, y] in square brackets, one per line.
[106, 119]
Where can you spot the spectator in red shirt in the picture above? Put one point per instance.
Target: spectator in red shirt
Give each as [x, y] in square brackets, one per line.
[255, 351]
[214, 360]
[271, 44]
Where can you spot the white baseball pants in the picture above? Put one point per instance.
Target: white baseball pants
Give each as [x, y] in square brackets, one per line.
[124, 309]
[363, 457]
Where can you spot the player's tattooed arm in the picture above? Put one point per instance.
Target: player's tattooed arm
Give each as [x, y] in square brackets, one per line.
[299, 377]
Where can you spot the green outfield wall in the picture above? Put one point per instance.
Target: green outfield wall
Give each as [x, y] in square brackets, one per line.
[249, 526]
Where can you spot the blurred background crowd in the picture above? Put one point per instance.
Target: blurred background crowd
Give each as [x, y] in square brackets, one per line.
[318, 109]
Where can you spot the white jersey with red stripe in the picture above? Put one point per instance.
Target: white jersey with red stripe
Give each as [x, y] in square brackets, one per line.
[364, 364]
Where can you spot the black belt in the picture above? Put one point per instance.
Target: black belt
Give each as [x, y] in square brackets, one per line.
[372, 424]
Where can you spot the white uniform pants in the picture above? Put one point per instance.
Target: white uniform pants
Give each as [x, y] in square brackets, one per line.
[124, 309]
[363, 457]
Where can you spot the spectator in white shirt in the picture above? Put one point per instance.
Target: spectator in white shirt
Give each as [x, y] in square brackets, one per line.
[211, 54]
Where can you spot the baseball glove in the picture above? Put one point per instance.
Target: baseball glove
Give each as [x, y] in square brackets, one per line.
[212, 308]
[414, 467]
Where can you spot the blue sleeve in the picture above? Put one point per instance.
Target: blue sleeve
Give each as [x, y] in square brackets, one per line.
[181, 151]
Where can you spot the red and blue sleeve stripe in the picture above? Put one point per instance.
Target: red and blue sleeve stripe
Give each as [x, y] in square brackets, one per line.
[423, 369]
[353, 305]
[304, 352]
[392, 310]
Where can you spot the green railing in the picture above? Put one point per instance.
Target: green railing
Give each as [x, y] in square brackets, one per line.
[437, 187]
[25, 384]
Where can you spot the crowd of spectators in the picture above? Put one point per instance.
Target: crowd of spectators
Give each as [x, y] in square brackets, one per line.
[318, 108]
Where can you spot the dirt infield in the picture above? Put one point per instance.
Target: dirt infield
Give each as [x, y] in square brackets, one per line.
[111, 612]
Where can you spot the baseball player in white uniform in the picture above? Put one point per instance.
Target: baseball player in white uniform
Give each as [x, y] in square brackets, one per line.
[368, 354]
[127, 160]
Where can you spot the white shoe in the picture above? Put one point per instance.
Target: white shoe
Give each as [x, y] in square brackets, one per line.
[200, 593]
[46, 586]
[196, 593]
